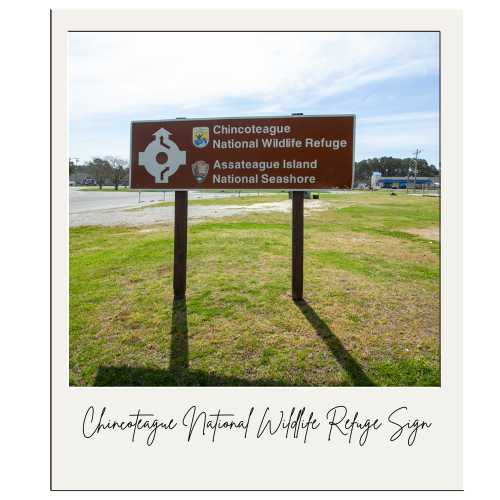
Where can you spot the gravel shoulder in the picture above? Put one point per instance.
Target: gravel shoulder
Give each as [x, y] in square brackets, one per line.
[156, 215]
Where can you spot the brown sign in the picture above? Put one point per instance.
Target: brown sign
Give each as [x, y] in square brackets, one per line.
[282, 153]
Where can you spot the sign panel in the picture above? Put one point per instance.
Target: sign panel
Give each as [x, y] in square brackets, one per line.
[304, 153]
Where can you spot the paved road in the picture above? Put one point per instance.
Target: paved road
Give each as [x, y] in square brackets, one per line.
[89, 201]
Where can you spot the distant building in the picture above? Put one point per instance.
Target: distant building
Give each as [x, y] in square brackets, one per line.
[79, 178]
[378, 181]
[374, 180]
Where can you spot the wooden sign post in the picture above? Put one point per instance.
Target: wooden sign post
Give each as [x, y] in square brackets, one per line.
[280, 153]
[297, 245]
[180, 244]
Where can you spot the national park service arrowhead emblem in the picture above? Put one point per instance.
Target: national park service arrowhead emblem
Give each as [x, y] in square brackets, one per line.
[200, 170]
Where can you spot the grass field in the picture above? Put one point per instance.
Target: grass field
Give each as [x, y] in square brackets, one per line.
[371, 315]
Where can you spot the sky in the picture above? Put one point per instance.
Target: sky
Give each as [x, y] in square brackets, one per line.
[390, 81]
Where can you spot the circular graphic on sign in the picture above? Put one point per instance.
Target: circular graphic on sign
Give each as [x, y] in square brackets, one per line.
[162, 157]
[200, 170]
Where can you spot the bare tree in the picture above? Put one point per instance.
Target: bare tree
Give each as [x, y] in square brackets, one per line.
[100, 168]
[119, 171]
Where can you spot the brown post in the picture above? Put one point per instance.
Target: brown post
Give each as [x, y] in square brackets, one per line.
[180, 244]
[297, 244]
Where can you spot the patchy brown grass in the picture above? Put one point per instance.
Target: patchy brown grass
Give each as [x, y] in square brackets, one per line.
[428, 233]
[371, 316]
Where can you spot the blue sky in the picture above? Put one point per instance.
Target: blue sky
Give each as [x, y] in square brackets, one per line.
[389, 80]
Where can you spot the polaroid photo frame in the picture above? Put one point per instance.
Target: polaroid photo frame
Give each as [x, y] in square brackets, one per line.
[262, 437]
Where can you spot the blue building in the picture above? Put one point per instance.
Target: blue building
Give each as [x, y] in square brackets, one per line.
[378, 181]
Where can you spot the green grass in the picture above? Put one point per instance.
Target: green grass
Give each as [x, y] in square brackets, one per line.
[378, 269]
[371, 316]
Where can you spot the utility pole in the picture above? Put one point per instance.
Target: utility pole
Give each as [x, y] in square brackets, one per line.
[417, 152]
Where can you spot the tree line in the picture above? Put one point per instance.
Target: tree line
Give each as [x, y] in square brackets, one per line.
[109, 170]
[392, 167]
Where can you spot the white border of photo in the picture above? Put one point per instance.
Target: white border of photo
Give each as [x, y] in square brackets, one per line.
[113, 462]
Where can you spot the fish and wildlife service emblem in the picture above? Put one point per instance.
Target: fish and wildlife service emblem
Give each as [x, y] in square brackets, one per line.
[200, 170]
[201, 136]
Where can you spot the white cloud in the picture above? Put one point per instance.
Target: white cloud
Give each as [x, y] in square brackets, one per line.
[399, 135]
[400, 117]
[115, 72]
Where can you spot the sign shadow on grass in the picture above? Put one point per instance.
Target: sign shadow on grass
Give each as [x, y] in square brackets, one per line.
[179, 345]
[344, 358]
[179, 373]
